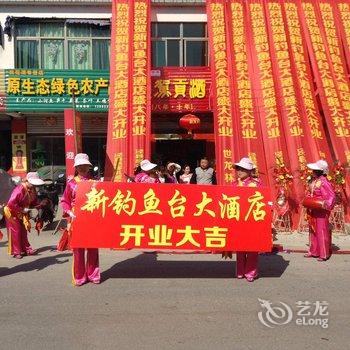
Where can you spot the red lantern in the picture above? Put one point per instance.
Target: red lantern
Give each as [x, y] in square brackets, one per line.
[190, 122]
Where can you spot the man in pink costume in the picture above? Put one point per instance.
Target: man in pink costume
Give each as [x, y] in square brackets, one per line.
[16, 211]
[147, 174]
[82, 272]
[246, 262]
[320, 235]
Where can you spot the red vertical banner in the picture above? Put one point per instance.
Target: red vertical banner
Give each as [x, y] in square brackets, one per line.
[72, 138]
[264, 88]
[140, 130]
[118, 115]
[330, 20]
[304, 87]
[221, 54]
[333, 104]
[337, 58]
[326, 55]
[342, 10]
[300, 145]
[248, 136]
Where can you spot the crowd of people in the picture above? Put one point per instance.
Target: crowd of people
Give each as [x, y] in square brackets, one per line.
[148, 172]
[320, 200]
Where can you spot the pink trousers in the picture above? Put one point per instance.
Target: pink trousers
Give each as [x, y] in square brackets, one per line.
[85, 272]
[320, 239]
[18, 237]
[247, 264]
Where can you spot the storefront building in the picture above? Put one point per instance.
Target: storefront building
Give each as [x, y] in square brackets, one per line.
[51, 62]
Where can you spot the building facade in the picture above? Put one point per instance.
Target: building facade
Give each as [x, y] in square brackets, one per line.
[55, 55]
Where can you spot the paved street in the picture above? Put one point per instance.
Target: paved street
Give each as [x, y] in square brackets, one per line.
[165, 301]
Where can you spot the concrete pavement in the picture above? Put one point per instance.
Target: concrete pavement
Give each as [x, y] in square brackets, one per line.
[166, 301]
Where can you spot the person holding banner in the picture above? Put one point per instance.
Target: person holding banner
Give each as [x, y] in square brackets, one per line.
[147, 174]
[81, 272]
[246, 262]
[319, 202]
[16, 212]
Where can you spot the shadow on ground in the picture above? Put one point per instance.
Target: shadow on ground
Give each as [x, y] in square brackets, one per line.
[34, 265]
[146, 265]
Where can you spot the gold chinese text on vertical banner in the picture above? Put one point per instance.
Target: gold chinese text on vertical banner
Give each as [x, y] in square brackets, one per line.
[140, 91]
[117, 134]
[222, 79]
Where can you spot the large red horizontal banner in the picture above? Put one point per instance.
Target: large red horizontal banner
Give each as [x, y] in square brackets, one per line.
[173, 217]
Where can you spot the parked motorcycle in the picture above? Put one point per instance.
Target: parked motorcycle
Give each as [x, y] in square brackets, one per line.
[48, 198]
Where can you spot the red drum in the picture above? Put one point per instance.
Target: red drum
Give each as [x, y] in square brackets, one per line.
[313, 203]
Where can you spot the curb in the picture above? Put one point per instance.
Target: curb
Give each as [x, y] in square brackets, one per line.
[278, 248]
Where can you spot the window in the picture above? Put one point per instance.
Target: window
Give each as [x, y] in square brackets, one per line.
[46, 151]
[95, 147]
[179, 44]
[60, 45]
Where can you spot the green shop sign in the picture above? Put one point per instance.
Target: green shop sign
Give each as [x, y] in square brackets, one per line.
[53, 90]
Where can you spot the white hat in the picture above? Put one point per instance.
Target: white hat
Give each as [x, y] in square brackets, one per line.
[177, 167]
[34, 179]
[246, 163]
[81, 159]
[146, 165]
[320, 165]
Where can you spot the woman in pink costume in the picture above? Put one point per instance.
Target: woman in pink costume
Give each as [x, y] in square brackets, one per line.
[82, 271]
[320, 235]
[147, 174]
[246, 262]
[16, 211]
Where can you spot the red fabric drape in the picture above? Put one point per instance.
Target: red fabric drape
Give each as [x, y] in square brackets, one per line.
[224, 113]
[140, 94]
[264, 88]
[129, 119]
[118, 116]
[328, 63]
[72, 138]
[248, 136]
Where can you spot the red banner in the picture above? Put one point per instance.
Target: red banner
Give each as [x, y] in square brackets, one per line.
[140, 109]
[129, 123]
[118, 115]
[72, 138]
[334, 104]
[224, 113]
[248, 137]
[341, 9]
[315, 135]
[264, 88]
[300, 144]
[175, 217]
[332, 81]
[343, 25]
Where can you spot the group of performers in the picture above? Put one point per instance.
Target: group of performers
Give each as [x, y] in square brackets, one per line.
[320, 200]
